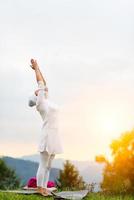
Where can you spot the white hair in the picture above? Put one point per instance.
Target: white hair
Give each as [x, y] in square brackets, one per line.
[32, 100]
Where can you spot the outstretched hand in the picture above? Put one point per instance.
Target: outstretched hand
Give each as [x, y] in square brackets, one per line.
[34, 64]
[35, 67]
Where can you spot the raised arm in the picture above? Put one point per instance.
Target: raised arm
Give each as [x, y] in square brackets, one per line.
[42, 92]
[35, 67]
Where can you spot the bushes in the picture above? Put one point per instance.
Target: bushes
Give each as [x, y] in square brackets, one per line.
[8, 178]
[118, 175]
[70, 178]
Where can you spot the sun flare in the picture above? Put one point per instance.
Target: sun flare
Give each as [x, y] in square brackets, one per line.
[111, 122]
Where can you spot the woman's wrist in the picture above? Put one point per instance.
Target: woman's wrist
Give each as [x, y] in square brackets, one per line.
[37, 68]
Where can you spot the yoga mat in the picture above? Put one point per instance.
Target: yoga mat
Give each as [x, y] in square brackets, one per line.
[70, 195]
[74, 195]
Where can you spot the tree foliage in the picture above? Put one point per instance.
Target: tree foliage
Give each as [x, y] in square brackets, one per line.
[70, 178]
[8, 178]
[118, 175]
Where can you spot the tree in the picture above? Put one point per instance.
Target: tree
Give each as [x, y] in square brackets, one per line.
[70, 178]
[8, 178]
[118, 175]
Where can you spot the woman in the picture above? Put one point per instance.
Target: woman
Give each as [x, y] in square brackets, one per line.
[49, 144]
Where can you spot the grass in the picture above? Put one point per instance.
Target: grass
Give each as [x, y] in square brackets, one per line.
[98, 196]
[10, 196]
[91, 196]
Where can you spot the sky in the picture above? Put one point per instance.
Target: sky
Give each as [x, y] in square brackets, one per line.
[85, 50]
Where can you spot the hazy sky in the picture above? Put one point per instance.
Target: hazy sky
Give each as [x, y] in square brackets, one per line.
[85, 49]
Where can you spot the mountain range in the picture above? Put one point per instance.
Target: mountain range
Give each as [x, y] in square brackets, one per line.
[90, 170]
[26, 167]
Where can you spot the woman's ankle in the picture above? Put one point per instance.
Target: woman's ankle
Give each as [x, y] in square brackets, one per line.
[45, 189]
[39, 188]
[42, 189]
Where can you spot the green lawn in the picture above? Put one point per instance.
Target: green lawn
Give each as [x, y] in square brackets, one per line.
[10, 196]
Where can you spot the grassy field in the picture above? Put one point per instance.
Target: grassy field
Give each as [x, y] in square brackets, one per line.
[9, 196]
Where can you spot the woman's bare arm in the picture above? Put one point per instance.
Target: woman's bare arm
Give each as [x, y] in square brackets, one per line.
[35, 67]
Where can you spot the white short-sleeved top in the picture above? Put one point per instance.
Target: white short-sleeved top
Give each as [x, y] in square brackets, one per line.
[49, 140]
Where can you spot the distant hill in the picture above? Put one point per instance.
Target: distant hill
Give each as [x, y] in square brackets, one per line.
[90, 170]
[26, 169]
[57, 162]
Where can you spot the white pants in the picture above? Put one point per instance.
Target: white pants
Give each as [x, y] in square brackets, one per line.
[44, 169]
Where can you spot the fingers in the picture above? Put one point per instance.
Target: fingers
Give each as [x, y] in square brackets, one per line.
[35, 61]
[34, 64]
[31, 66]
[32, 61]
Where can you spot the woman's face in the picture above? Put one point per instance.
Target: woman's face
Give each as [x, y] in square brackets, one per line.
[46, 92]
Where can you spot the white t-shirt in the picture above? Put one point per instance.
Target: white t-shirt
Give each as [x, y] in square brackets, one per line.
[49, 140]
